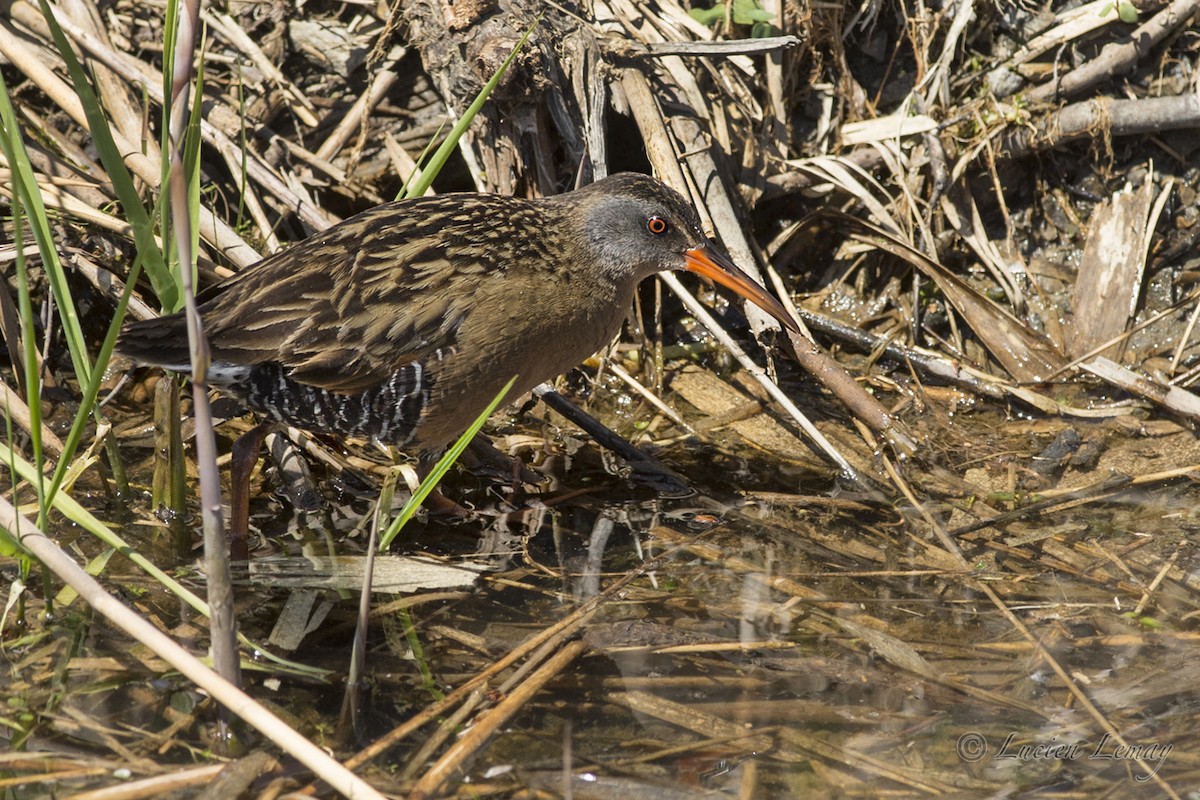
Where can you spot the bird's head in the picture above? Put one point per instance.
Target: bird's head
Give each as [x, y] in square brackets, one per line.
[636, 226]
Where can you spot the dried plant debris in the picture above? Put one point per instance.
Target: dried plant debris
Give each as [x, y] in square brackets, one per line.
[943, 546]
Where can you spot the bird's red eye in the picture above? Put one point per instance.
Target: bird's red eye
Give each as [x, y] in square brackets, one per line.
[657, 225]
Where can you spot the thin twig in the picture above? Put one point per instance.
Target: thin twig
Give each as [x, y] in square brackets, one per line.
[222, 625]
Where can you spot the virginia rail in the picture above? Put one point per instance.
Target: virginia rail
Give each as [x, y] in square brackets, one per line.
[403, 322]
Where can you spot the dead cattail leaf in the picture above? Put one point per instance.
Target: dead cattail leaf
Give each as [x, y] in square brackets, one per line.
[1027, 355]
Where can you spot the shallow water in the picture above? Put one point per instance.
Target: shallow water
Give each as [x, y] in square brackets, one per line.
[808, 641]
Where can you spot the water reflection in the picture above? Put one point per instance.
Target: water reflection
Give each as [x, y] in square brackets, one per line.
[771, 649]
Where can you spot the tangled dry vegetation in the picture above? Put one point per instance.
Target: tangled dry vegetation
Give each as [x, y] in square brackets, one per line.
[985, 212]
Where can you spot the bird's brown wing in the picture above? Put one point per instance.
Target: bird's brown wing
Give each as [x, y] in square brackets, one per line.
[344, 309]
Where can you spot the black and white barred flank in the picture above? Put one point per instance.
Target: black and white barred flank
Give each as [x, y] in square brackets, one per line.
[389, 412]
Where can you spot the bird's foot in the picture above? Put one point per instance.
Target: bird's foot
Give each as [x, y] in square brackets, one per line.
[438, 505]
[485, 453]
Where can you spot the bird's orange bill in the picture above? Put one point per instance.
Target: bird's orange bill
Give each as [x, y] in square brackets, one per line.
[716, 266]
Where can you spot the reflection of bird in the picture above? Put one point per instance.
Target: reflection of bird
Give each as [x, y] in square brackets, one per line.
[403, 322]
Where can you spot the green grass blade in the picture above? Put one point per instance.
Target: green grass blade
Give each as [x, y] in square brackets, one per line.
[91, 387]
[76, 513]
[110, 156]
[190, 151]
[163, 208]
[9, 546]
[25, 186]
[28, 197]
[418, 654]
[31, 378]
[191, 161]
[409, 190]
[442, 155]
[440, 469]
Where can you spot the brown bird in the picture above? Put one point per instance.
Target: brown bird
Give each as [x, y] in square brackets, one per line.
[403, 322]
